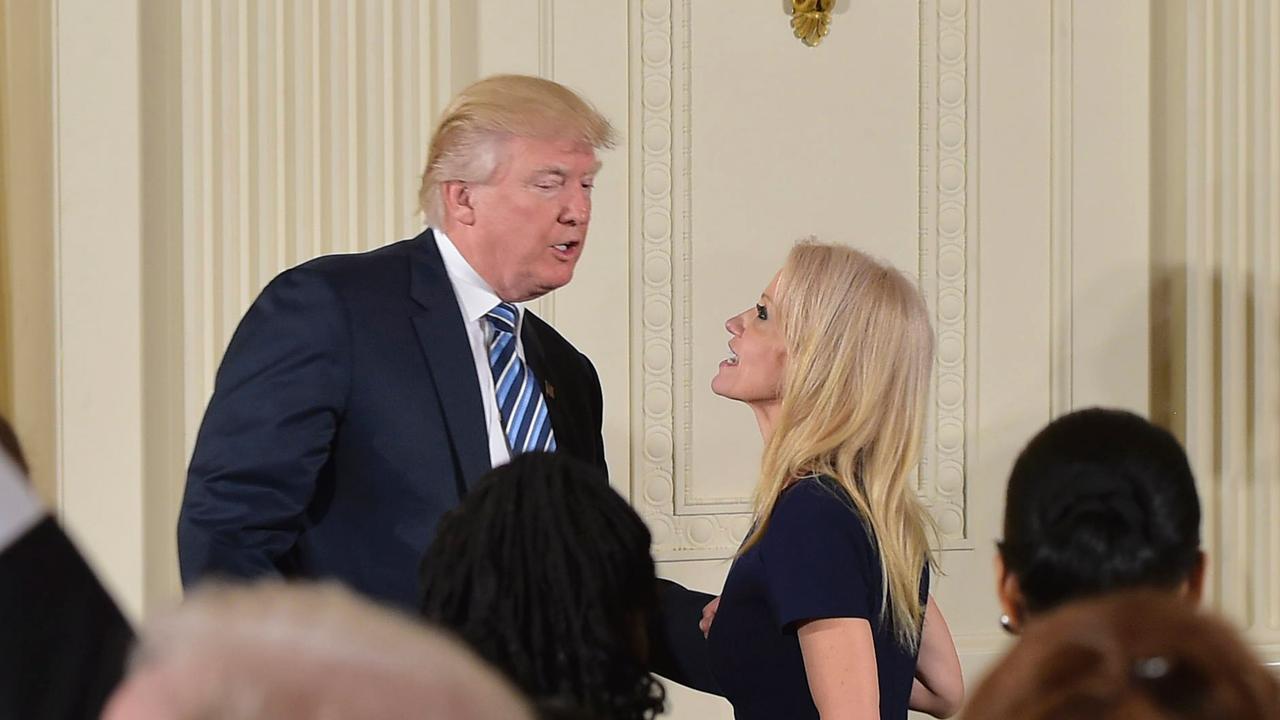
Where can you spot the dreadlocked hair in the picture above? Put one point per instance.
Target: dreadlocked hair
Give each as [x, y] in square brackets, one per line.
[545, 571]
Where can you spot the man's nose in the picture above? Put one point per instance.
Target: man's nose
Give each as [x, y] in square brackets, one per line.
[578, 210]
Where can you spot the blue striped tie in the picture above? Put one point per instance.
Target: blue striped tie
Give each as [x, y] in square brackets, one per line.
[524, 410]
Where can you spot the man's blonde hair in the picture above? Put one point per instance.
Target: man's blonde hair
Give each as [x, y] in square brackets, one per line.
[466, 143]
[282, 651]
[859, 356]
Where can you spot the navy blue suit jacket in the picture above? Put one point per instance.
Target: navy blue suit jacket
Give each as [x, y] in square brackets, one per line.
[346, 419]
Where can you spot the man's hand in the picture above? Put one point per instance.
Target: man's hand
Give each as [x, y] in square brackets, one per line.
[708, 616]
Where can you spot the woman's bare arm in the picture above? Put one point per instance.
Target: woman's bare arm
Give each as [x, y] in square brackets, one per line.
[840, 662]
[938, 688]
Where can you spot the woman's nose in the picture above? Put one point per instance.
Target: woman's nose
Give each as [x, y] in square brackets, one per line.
[734, 324]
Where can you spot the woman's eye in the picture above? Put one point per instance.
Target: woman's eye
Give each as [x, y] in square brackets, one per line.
[762, 312]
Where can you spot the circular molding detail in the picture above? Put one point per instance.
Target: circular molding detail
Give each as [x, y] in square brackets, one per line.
[657, 400]
[950, 520]
[950, 348]
[657, 357]
[657, 313]
[656, 225]
[657, 180]
[950, 435]
[656, 94]
[658, 446]
[951, 220]
[951, 47]
[950, 477]
[656, 10]
[657, 49]
[657, 136]
[951, 89]
[701, 531]
[658, 491]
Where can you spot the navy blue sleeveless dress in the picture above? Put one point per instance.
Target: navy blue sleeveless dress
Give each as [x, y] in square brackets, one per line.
[816, 560]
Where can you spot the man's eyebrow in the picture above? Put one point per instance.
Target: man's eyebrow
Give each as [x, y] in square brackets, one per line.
[563, 172]
[551, 170]
[765, 297]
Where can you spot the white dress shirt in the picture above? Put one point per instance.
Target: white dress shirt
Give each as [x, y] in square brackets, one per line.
[476, 298]
[20, 508]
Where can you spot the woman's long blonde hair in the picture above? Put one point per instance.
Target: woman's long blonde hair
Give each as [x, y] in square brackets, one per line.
[859, 354]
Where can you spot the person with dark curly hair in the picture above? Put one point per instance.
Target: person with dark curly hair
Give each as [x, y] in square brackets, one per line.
[545, 571]
[1099, 500]
[1136, 655]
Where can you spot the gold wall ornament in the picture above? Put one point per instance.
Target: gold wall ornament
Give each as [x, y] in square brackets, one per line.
[811, 19]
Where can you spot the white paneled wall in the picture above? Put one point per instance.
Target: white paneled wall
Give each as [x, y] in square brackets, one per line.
[1219, 240]
[304, 130]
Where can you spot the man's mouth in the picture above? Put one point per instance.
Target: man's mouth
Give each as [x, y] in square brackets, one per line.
[565, 247]
[733, 357]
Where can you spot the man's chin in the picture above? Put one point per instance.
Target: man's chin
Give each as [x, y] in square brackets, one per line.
[539, 290]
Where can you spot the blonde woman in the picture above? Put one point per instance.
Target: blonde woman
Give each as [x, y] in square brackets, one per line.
[826, 612]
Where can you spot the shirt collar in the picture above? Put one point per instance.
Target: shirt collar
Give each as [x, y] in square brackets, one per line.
[475, 297]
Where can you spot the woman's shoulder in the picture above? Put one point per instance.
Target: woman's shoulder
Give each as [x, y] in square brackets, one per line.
[817, 501]
[817, 490]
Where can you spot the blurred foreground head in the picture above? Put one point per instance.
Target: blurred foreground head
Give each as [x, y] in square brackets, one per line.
[1137, 655]
[303, 652]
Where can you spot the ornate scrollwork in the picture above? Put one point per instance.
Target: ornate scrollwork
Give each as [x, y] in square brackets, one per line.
[811, 20]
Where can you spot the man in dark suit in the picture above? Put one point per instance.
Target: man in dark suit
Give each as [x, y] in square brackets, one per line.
[63, 641]
[362, 394]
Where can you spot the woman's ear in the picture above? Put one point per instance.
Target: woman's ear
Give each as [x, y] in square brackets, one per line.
[1193, 587]
[1010, 594]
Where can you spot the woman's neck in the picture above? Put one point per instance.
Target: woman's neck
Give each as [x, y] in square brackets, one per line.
[766, 417]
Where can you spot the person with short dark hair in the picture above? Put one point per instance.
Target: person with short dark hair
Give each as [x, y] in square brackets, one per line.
[1130, 655]
[545, 571]
[1099, 500]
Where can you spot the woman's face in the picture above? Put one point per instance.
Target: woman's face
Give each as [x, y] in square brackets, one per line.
[757, 355]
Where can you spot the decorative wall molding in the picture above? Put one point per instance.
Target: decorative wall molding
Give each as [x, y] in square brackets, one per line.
[947, 260]
[687, 526]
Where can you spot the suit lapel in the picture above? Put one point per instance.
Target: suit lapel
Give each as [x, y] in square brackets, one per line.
[553, 385]
[445, 346]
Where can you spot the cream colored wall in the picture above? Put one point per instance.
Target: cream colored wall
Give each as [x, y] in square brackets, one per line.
[999, 151]
[26, 226]
[1216, 268]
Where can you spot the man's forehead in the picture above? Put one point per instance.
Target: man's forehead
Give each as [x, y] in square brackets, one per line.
[565, 147]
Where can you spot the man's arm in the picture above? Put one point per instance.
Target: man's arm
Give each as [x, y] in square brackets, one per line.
[266, 435]
[597, 414]
[677, 645]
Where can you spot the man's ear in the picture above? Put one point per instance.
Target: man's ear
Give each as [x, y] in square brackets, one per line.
[1010, 594]
[458, 202]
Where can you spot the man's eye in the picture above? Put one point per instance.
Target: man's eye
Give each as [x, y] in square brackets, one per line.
[762, 312]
